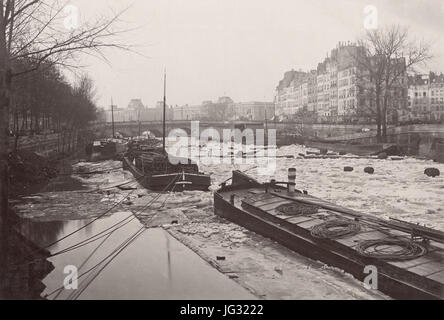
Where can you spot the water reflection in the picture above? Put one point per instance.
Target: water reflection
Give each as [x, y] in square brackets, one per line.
[43, 233]
[154, 266]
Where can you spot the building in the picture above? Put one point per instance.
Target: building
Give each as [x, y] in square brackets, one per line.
[330, 92]
[323, 94]
[136, 111]
[312, 91]
[135, 104]
[225, 109]
[289, 97]
[187, 112]
[426, 97]
[338, 90]
[253, 111]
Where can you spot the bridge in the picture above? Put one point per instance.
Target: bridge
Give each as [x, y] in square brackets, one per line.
[419, 139]
[135, 128]
[332, 132]
[423, 139]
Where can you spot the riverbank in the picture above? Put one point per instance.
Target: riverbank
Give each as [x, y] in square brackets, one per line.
[355, 149]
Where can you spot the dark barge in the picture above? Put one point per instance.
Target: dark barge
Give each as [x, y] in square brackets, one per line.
[155, 171]
[409, 259]
[106, 149]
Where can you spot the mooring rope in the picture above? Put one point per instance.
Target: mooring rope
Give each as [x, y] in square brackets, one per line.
[135, 215]
[408, 250]
[336, 229]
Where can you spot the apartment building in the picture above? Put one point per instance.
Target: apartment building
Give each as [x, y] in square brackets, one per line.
[291, 93]
[193, 112]
[312, 91]
[426, 97]
[329, 92]
[225, 109]
[323, 93]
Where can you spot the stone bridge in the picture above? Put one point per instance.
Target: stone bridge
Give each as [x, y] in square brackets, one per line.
[135, 128]
[331, 132]
[420, 139]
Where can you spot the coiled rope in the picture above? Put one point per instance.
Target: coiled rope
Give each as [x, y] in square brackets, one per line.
[335, 229]
[298, 209]
[391, 249]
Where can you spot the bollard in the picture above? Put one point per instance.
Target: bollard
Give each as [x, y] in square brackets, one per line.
[291, 180]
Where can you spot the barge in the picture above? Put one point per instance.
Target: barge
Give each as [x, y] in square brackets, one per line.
[155, 171]
[408, 258]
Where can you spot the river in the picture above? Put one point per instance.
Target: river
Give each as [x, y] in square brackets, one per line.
[157, 266]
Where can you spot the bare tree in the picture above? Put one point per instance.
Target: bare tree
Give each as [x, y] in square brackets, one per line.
[35, 30]
[401, 55]
[386, 55]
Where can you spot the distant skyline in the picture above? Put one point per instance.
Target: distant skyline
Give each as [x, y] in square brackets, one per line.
[240, 49]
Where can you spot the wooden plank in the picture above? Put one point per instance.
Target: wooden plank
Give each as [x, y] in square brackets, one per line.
[353, 241]
[414, 262]
[316, 201]
[428, 268]
[280, 215]
[439, 277]
[260, 196]
[310, 223]
[432, 234]
[265, 203]
[272, 206]
[256, 191]
[332, 251]
[300, 219]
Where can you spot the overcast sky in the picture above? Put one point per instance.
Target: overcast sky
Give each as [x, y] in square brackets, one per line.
[238, 48]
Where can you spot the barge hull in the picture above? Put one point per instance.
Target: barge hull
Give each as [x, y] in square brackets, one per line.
[305, 245]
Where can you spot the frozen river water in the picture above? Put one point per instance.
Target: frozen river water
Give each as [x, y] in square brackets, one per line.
[397, 189]
[157, 266]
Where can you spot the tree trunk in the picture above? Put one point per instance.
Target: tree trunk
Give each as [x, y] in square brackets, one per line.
[16, 131]
[384, 119]
[31, 123]
[5, 89]
[378, 114]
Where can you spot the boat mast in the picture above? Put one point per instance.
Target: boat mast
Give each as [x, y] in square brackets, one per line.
[266, 125]
[164, 109]
[112, 116]
[138, 120]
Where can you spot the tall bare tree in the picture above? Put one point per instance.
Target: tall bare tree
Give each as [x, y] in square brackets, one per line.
[40, 31]
[387, 55]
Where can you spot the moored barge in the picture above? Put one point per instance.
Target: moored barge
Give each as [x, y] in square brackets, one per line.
[158, 171]
[408, 258]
